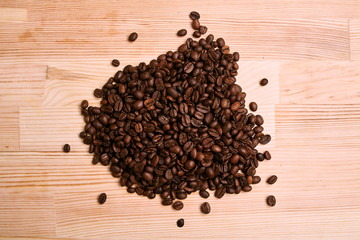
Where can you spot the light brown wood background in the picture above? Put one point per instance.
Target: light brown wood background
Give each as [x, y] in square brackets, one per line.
[54, 53]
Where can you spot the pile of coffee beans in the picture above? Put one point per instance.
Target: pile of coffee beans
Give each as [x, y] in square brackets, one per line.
[178, 124]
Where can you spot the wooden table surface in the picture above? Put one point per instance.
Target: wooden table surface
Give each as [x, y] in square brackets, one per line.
[54, 53]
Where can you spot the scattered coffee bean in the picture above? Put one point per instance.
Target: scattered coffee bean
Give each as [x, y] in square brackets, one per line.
[203, 29]
[115, 62]
[204, 194]
[102, 198]
[253, 106]
[205, 208]
[195, 24]
[98, 93]
[178, 205]
[194, 15]
[272, 179]
[264, 82]
[133, 36]
[180, 222]
[84, 104]
[182, 32]
[167, 201]
[271, 201]
[256, 180]
[267, 155]
[66, 148]
[196, 34]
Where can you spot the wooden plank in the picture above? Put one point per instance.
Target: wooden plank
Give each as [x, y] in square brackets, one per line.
[332, 126]
[13, 14]
[9, 129]
[321, 82]
[22, 84]
[27, 213]
[256, 39]
[247, 9]
[355, 38]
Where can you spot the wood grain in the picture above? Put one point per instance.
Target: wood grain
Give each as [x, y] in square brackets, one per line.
[355, 38]
[54, 54]
[324, 82]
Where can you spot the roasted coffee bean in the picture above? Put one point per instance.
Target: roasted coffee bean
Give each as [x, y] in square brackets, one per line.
[253, 106]
[115, 62]
[84, 104]
[256, 180]
[195, 24]
[102, 198]
[267, 155]
[264, 82]
[98, 93]
[194, 15]
[203, 29]
[182, 32]
[196, 34]
[265, 139]
[220, 192]
[180, 222]
[167, 201]
[272, 179]
[204, 194]
[205, 208]
[133, 36]
[178, 205]
[271, 201]
[66, 148]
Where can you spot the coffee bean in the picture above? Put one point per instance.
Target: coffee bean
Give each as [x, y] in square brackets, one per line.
[256, 180]
[220, 192]
[196, 34]
[133, 36]
[264, 82]
[203, 29]
[194, 15]
[178, 205]
[84, 104]
[115, 62]
[253, 106]
[66, 148]
[267, 155]
[180, 222]
[204, 194]
[205, 208]
[195, 24]
[265, 139]
[102, 198]
[98, 93]
[167, 201]
[182, 32]
[271, 201]
[272, 179]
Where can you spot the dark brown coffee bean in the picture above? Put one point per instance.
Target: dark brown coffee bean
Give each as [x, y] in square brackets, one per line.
[205, 208]
[247, 188]
[264, 82]
[178, 205]
[194, 15]
[272, 179]
[203, 29]
[98, 93]
[196, 34]
[265, 139]
[271, 201]
[115, 62]
[195, 24]
[182, 32]
[133, 36]
[204, 194]
[219, 193]
[102, 198]
[253, 106]
[84, 104]
[188, 67]
[256, 180]
[180, 223]
[267, 155]
[66, 148]
[167, 201]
